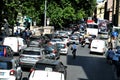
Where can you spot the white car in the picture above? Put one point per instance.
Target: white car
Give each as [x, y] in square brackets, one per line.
[16, 43]
[55, 40]
[10, 69]
[48, 70]
[75, 39]
[63, 48]
[99, 46]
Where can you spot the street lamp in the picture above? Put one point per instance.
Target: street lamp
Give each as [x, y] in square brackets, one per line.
[45, 14]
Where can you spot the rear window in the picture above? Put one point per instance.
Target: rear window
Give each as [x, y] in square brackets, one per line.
[5, 65]
[39, 66]
[31, 53]
[60, 45]
[98, 42]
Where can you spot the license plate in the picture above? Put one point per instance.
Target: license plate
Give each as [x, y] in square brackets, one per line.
[2, 73]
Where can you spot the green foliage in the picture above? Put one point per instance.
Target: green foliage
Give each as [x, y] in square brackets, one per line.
[61, 12]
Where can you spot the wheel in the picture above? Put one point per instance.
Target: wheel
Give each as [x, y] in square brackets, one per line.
[90, 52]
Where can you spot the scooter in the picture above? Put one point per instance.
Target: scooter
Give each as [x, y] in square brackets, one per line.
[83, 43]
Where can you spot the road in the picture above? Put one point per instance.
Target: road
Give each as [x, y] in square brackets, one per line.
[86, 66]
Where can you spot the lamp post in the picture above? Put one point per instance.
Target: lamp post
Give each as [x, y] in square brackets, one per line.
[45, 14]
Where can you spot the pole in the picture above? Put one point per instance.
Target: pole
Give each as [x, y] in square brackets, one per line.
[45, 14]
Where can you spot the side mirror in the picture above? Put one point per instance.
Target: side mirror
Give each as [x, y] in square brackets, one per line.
[24, 78]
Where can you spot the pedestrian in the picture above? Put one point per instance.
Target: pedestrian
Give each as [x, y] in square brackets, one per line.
[114, 43]
[74, 49]
[116, 65]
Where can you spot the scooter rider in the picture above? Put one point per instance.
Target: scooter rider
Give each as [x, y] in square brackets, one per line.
[74, 49]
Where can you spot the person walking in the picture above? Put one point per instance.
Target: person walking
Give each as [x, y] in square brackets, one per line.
[74, 49]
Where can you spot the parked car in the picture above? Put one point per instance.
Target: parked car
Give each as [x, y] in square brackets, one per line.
[63, 48]
[6, 51]
[51, 52]
[29, 56]
[48, 70]
[10, 69]
[16, 43]
[99, 46]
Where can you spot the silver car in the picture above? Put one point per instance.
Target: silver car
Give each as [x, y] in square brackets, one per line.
[29, 56]
[75, 39]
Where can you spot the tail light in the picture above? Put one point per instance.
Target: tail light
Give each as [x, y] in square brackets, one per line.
[65, 46]
[54, 51]
[103, 49]
[12, 72]
[5, 52]
[31, 70]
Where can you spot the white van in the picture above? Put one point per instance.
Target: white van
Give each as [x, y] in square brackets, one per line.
[16, 43]
[99, 46]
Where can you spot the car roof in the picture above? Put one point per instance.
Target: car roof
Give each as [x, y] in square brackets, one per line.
[4, 46]
[33, 49]
[48, 61]
[9, 59]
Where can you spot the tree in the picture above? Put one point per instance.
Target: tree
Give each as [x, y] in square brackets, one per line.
[60, 12]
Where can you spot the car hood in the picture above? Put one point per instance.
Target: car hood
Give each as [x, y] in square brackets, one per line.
[46, 75]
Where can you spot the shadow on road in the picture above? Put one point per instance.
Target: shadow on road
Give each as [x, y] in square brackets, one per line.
[95, 68]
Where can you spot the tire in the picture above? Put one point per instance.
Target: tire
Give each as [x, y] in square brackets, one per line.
[20, 76]
[90, 52]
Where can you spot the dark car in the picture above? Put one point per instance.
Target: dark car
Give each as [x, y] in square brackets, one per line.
[43, 64]
[51, 52]
[6, 51]
[38, 41]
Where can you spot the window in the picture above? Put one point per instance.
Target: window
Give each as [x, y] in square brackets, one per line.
[5, 65]
[31, 52]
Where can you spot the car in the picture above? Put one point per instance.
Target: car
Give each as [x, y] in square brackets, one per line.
[99, 46]
[10, 69]
[29, 56]
[46, 69]
[62, 33]
[63, 48]
[38, 41]
[51, 52]
[66, 40]
[104, 35]
[16, 43]
[6, 51]
[55, 40]
[74, 38]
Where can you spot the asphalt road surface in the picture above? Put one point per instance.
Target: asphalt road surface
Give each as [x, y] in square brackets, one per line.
[86, 66]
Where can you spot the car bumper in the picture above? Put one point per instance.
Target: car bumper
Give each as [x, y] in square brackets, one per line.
[63, 51]
[97, 51]
[8, 78]
[26, 65]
